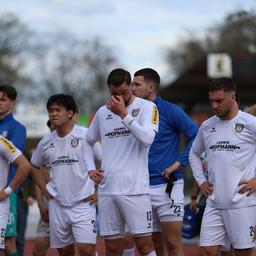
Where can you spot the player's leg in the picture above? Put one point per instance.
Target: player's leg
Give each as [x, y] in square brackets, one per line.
[240, 230]
[4, 213]
[137, 213]
[111, 225]
[169, 211]
[11, 229]
[213, 232]
[61, 236]
[41, 246]
[83, 219]
[129, 247]
[42, 241]
[159, 244]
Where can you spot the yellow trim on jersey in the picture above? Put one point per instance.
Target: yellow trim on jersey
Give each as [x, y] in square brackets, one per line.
[155, 115]
[8, 145]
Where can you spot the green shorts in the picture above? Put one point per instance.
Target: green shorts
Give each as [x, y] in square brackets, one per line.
[11, 229]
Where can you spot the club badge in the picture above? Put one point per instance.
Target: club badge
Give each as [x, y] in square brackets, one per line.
[135, 112]
[74, 142]
[239, 127]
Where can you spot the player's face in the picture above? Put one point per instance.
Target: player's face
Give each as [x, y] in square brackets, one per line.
[6, 104]
[124, 90]
[141, 88]
[222, 103]
[59, 115]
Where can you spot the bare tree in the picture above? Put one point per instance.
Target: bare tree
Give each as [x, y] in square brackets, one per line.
[14, 38]
[77, 67]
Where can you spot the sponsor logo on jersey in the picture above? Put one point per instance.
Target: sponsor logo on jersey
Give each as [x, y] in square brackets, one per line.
[8, 145]
[74, 143]
[118, 132]
[239, 127]
[224, 146]
[135, 112]
[5, 134]
[109, 116]
[213, 129]
[155, 116]
[64, 160]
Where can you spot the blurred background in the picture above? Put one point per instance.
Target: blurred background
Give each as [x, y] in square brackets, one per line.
[53, 46]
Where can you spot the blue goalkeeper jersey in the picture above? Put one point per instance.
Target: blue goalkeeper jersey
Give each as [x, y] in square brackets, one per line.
[14, 131]
[165, 150]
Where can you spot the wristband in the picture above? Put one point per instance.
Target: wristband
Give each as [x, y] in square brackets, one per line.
[193, 197]
[8, 190]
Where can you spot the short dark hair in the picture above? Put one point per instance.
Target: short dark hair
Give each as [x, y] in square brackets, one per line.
[49, 124]
[9, 91]
[149, 74]
[224, 83]
[118, 76]
[64, 100]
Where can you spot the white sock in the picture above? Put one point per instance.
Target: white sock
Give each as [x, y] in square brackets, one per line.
[129, 252]
[153, 253]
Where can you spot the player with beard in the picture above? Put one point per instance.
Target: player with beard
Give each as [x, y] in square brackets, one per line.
[126, 126]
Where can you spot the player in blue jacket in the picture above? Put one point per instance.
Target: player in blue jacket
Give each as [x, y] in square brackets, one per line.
[166, 164]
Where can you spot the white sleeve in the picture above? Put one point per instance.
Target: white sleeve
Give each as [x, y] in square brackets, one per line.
[93, 132]
[195, 158]
[97, 149]
[89, 156]
[146, 132]
[8, 150]
[37, 158]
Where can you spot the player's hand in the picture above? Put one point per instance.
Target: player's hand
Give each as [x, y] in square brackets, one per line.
[193, 204]
[247, 186]
[93, 199]
[175, 166]
[3, 195]
[207, 188]
[47, 194]
[44, 213]
[116, 105]
[96, 175]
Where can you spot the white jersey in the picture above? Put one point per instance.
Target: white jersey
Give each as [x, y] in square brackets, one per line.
[65, 157]
[124, 157]
[230, 147]
[8, 154]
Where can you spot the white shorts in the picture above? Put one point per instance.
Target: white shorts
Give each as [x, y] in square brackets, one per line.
[4, 213]
[43, 229]
[225, 227]
[70, 225]
[165, 207]
[118, 211]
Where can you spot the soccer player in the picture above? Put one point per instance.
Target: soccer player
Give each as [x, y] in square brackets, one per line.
[14, 131]
[72, 217]
[126, 127]
[166, 163]
[42, 241]
[228, 138]
[9, 154]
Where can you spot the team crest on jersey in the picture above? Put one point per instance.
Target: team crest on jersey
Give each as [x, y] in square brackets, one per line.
[8, 145]
[239, 127]
[5, 134]
[135, 112]
[74, 143]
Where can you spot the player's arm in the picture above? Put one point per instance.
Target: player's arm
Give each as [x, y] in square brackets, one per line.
[145, 134]
[41, 205]
[39, 179]
[22, 171]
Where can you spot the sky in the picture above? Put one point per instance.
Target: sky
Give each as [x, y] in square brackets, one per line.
[140, 32]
